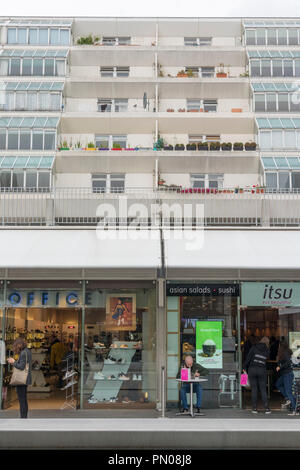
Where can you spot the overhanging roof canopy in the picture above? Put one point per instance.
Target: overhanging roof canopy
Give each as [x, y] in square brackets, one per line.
[233, 249]
[43, 22]
[270, 86]
[37, 122]
[35, 53]
[278, 123]
[27, 162]
[271, 54]
[271, 23]
[281, 163]
[31, 86]
[58, 248]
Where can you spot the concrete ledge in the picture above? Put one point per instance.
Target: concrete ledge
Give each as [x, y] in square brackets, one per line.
[198, 433]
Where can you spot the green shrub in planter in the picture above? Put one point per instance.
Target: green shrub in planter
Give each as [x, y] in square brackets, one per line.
[191, 147]
[215, 146]
[238, 146]
[226, 146]
[168, 147]
[179, 147]
[250, 146]
[203, 146]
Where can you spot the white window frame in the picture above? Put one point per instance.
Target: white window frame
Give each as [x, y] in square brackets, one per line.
[38, 28]
[206, 178]
[108, 178]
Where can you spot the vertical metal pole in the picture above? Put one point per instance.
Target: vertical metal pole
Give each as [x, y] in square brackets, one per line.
[3, 339]
[163, 399]
[82, 344]
[239, 351]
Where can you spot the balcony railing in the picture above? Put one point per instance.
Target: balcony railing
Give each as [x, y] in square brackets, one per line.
[146, 207]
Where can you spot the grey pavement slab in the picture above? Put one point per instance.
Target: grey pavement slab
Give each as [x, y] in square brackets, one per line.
[263, 432]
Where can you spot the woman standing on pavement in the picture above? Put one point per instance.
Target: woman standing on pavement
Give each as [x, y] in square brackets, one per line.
[20, 348]
[256, 367]
[286, 376]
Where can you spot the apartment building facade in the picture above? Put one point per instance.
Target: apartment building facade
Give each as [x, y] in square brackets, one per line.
[164, 114]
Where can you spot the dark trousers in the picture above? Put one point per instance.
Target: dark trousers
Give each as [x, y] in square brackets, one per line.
[258, 380]
[22, 396]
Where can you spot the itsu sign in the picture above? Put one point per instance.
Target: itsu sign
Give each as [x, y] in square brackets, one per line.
[271, 294]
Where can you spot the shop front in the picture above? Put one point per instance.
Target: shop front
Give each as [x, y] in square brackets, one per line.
[93, 343]
[271, 309]
[202, 322]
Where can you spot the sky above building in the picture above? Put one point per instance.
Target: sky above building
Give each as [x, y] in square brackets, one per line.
[172, 8]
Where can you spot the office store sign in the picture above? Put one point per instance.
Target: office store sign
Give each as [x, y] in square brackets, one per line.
[52, 298]
[270, 294]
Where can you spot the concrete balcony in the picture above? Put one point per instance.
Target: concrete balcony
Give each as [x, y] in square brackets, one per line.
[147, 207]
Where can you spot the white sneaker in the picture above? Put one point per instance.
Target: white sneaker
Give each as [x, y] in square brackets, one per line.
[99, 376]
[93, 400]
[293, 413]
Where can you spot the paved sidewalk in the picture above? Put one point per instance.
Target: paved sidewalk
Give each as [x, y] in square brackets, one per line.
[276, 431]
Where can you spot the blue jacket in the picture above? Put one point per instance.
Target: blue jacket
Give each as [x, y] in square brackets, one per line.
[21, 363]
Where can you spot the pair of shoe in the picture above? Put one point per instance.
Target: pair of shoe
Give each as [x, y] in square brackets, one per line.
[111, 377]
[136, 377]
[294, 413]
[92, 400]
[99, 376]
[285, 403]
[113, 399]
[123, 376]
[267, 411]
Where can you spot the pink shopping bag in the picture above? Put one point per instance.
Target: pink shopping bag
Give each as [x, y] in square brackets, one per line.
[244, 380]
[185, 374]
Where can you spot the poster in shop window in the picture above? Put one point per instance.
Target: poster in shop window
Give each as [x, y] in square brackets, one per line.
[209, 351]
[121, 312]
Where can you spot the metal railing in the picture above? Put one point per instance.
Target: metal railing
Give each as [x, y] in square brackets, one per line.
[147, 207]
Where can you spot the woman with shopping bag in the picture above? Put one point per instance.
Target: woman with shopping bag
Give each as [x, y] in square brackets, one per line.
[21, 376]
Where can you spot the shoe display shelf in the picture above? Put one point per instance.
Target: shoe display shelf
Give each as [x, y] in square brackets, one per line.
[104, 388]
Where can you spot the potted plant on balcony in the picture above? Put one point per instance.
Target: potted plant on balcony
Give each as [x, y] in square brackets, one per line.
[159, 144]
[191, 147]
[250, 146]
[90, 146]
[168, 147]
[182, 73]
[213, 146]
[103, 148]
[190, 73]
[238, 146]
[170, 110]
[64, 146]
[77, 145]
[221, 73]
[179, 147]
[181, 110]
[203, 146]
[226, 146]
[116, 147]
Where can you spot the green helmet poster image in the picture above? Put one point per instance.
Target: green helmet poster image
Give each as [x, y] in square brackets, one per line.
[209, 351]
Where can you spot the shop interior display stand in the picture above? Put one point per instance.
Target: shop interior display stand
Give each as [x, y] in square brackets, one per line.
[37, 374]
[70, 401]
[105, 389]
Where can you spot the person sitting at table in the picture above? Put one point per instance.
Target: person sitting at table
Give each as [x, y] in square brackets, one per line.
[196, 371]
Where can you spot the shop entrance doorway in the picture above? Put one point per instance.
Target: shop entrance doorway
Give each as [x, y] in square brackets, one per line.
[277, 324]
[52, 335]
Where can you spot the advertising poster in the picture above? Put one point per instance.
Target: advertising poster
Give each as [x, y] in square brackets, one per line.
[121, 312]
[209, 352]
[294, 344]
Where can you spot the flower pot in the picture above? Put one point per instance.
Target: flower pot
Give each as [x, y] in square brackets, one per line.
[170, 110]
[168, 147]
[103, 148]
[184, 75]
[236, 110]
[202, 147]
[90, 148]
[221, 75]
[64, 148]
[179, 147]
[191, 147]
[250, 146]
[193, 110]
[238, 147]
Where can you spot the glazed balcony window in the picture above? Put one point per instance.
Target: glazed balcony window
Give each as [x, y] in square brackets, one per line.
[108, 183]
[197, 41]
[272, 37]
[111, 72]
[116, 41]
[39, 36]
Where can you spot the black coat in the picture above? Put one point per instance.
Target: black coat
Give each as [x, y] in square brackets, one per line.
[21, 363]
[257, 356]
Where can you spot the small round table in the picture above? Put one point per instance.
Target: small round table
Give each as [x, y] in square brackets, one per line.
[191, 382]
